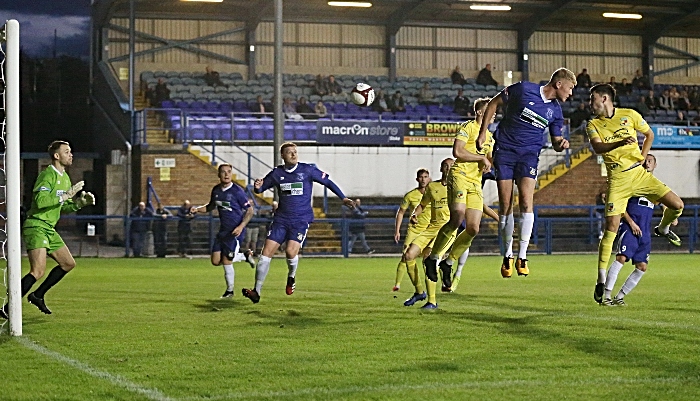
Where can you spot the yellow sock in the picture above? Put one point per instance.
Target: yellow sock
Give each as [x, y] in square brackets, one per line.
[669, 216]
[400, 269]
[443, 240]
[431, 287]
[604, 249]
[462, 243]
[412, 268]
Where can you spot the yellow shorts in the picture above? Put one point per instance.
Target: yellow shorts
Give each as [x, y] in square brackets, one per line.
[411, 234]
[427, 237]
[461, 190]
[633, 182]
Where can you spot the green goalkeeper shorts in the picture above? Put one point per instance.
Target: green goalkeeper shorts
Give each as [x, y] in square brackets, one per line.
[42, 236]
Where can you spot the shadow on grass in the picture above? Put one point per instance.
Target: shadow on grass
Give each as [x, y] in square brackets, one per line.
[283, 318]
[216, 305]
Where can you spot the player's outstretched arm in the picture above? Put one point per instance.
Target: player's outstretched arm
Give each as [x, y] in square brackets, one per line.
[489, 112]
[599, 147]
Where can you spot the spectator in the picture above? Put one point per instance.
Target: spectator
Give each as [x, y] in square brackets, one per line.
[160, 93]
[397, 104]
[684, 101]
[461, 103]
[485, 78]
[160, 231]
[665, 101]
[583, 80]
[333, 87]
[321, 109]
[260, 108]
[642, 106]
[651, 102]
[673, 93]
[290, 111]
[357, 228]
[624, 88]
[212, 78]
[305, 110]
[425, 95]
[320, 87]
[613, 84]
[640, 80]
[681, 118]
[252, 231]
[600, 210]
[379, 105]
[139, 227]
[694, 98]
[580, 116]
[457, 77]
[184, 228]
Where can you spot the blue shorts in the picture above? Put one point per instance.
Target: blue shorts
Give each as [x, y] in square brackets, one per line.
[227, 244]
[281, 231]
[513, 165]
[632, 247]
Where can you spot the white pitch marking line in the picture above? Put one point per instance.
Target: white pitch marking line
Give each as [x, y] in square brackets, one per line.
[151, 393]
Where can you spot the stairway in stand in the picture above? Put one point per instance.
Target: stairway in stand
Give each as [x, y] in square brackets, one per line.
[156, 134]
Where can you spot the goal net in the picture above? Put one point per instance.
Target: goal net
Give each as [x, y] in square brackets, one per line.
[10, 179]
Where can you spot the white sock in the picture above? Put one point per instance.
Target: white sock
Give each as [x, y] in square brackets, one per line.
[664, 229]
[261, 272]
[630, 283]
[601, 276]
[461, 262]
[613, 271]
[292, 266]
[229, 275]
[506, 224]
[527, 220]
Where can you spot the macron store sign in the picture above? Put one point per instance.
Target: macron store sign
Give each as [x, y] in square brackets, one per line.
[385, 133]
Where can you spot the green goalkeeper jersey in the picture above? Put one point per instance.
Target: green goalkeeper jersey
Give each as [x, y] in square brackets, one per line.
[46, 200]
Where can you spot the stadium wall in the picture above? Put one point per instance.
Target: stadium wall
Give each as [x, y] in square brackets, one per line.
[420, 51]
[372, 171]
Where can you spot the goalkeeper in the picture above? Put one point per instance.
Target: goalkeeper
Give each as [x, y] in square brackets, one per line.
[52, 194]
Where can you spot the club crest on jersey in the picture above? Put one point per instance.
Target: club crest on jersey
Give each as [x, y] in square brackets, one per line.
[300, 176]
[460, 194]
[624, 121]
[550, 113]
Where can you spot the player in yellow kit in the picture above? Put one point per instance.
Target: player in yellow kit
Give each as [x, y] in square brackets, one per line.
[409, 202]
[466, 199]
[435, 197]
[613, 134]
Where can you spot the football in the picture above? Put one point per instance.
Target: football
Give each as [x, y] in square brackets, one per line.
[362, 95]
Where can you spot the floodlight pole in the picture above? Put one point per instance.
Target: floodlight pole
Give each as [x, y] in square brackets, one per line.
[279, 63]
[12, 166]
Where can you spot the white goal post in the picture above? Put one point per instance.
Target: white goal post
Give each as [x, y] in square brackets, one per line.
[13, 251]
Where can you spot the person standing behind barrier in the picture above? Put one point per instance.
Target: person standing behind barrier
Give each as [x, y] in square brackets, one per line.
[357, 228]
[160, 231]
[184, 228]
[139, 227]
[253, 231]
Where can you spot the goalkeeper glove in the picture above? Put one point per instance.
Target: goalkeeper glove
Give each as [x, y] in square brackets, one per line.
[86, 198]
[72, 191]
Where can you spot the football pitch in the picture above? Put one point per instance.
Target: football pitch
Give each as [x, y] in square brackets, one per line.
[154, 329]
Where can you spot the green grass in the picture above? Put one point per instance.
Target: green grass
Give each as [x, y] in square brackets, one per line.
[138, 329]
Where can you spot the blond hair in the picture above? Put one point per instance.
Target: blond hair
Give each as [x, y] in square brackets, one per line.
[563, 74]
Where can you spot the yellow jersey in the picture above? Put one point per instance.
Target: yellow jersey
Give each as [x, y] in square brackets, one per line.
[410, 201]
[468, 134]
[436, 196]
[623, 124]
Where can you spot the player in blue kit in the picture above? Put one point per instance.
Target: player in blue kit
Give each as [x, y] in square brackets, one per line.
[234, 214]
[633, 243]
[528, 109]
[294, 183]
